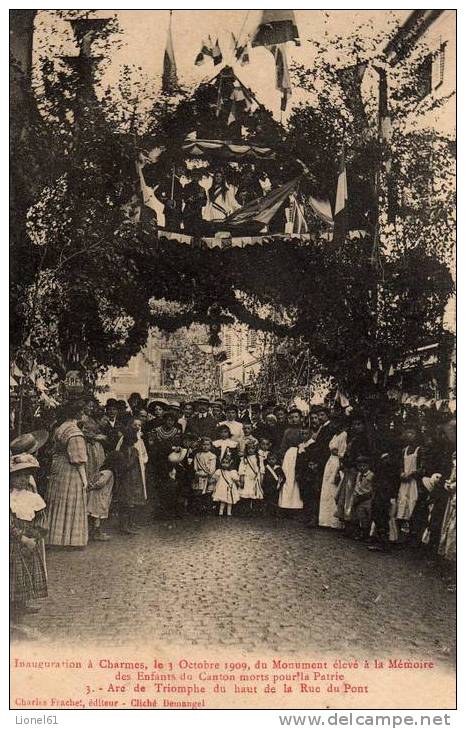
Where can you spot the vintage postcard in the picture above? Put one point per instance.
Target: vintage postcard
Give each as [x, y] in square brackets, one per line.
[233, 360]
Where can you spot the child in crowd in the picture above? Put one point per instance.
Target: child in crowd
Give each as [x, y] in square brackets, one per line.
[99, 498]
[226, 485]
[411, 471]
[204, 466]
[272, 481]
[185, 469]
[362, 498]
[225, 444]
[231, 421]
[246, 437]
[28, 577]
[265, 447]
[250, 473]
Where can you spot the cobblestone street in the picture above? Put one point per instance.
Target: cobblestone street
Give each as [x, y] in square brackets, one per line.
[251, 583]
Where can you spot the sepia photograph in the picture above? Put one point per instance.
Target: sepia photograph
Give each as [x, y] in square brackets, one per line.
[232, 371]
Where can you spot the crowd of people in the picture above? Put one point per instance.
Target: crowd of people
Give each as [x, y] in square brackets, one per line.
[389, 484]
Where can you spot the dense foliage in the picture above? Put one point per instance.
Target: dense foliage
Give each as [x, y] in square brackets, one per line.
[86, 279]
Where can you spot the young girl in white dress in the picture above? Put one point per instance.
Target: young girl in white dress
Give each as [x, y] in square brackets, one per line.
[225, 444]
[330, 480]
[204, 466]
[411, 470]
[251, 472]
[226, 485]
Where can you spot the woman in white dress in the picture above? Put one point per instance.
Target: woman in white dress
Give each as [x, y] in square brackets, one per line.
[337, 447]
[290, 497]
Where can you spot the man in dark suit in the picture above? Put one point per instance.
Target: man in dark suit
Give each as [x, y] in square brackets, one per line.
[202, 423]
[112, 425]
[310, 465]
[244, 412]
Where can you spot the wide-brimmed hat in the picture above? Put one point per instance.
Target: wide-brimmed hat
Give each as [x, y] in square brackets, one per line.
[21, 461]
[202, 400]
[176, 456]
[161, 403]
[29, 442]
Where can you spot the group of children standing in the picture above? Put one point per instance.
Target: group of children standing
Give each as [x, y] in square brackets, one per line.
[220, 473]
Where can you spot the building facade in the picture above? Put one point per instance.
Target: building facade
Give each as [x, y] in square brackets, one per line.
[426, 41]
[148, 373]
[429, 38]
[244, 350]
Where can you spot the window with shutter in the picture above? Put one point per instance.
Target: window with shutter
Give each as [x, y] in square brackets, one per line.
[438, 66]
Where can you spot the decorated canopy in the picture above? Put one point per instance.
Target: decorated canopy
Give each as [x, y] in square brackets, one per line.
[226, 150]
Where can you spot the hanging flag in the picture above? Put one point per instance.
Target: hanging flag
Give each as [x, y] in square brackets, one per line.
[322, 208]
[300, 225]
[385, 136]
[341, 199]
[276, 26]
[151, 208]
[385, 122]
[264, 208]
[350, 79]
[169, 76]
[217, 53]
[282, 80]
[298, 221]
[237, 99]
[340, 215]
[205, 52]
[242, 51]
[245, 56]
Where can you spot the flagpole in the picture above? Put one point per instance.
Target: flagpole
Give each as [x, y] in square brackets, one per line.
[173, 183]
[242, 28]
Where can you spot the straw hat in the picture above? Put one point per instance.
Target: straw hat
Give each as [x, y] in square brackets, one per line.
[29, 442]
[21, 461]
[176, 456]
